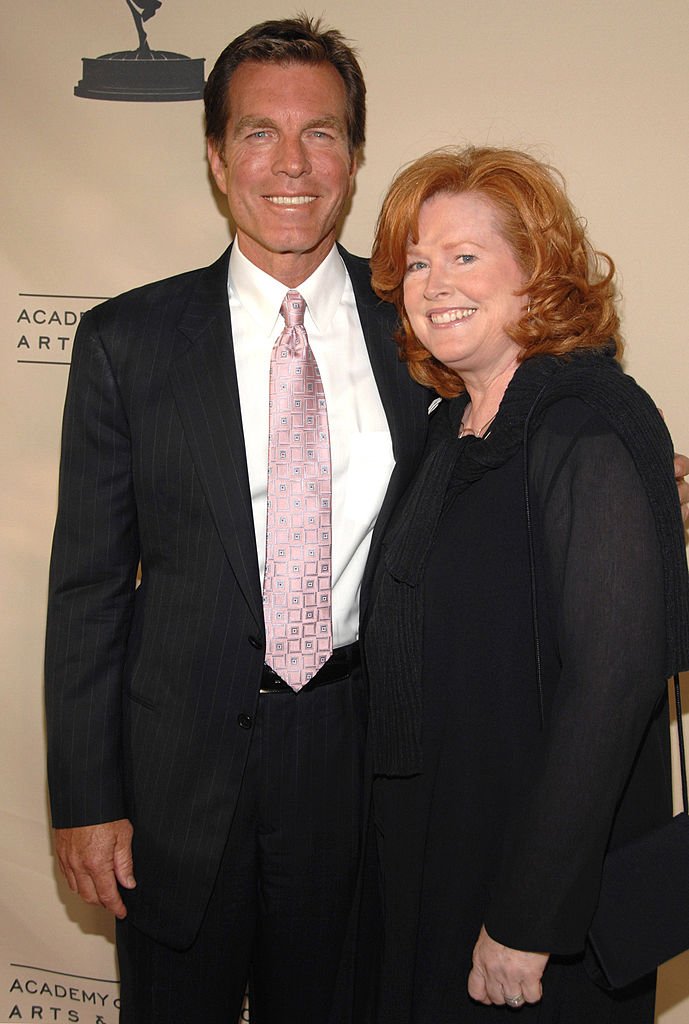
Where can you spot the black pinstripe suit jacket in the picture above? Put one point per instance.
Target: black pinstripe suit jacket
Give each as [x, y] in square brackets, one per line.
[148, 689]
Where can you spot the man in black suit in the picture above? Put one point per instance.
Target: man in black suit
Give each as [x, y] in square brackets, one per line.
[214, 810]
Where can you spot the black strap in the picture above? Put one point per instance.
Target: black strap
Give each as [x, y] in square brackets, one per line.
[680, 740]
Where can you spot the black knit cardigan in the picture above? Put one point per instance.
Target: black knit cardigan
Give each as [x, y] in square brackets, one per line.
[394, 634]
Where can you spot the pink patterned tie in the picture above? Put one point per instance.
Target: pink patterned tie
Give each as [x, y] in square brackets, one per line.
[297, 584]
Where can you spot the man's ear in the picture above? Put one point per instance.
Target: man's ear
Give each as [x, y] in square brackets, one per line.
[218, 165]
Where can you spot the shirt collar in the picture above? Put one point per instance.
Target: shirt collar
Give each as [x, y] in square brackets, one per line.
[261, 295]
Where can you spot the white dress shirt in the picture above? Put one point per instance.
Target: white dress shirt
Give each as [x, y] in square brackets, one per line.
[361, 448]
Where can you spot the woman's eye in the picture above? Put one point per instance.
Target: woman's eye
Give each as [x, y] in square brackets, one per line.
[466, 258]
[416, 265]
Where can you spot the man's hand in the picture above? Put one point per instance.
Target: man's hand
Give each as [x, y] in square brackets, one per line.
[505, 976]
[681, 471]
[94, 859]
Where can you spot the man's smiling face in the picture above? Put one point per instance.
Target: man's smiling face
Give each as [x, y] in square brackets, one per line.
[285, 165]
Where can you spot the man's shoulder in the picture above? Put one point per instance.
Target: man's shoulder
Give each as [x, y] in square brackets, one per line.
[359, 263]
[358, 269]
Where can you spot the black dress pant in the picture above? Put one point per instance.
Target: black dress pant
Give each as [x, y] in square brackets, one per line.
[283, 902]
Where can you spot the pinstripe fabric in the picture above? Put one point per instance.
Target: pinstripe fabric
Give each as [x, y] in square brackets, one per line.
[149, 691]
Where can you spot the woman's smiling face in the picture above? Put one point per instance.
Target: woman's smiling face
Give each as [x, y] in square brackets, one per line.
[461, 285]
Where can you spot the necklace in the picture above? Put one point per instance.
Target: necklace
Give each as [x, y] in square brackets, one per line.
[482, 433]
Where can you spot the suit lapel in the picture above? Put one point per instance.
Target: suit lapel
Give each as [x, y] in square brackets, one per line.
[204, 381]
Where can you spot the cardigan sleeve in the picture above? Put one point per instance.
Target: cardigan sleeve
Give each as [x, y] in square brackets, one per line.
[602, 589]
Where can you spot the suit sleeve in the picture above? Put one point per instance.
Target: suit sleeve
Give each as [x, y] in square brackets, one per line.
[604, 579]
[92, 580]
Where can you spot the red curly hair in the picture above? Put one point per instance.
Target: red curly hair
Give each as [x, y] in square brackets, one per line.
[570, 289]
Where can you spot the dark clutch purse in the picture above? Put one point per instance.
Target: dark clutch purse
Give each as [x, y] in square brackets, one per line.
[642, 918]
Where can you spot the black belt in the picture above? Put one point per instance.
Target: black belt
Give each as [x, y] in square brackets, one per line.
[339, 665]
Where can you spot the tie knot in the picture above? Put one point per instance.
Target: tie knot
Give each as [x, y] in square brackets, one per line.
[292, 309]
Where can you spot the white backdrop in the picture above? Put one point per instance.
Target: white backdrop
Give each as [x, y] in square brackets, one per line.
[101, 196]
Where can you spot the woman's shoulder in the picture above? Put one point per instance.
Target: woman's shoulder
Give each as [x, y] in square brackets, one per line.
[597, 399]
[576, 440]
[585, 444]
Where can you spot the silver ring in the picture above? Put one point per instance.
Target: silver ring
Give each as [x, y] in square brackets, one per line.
[514, 1001]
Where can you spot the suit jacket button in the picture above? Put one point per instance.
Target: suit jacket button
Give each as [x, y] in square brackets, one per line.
[244, 721]
[255, 641]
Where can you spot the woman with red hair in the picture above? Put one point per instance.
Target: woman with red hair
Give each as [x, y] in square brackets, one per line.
[531, 600]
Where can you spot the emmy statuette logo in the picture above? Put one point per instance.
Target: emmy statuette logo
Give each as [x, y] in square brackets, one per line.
[142, 75]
